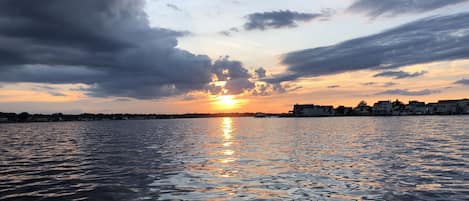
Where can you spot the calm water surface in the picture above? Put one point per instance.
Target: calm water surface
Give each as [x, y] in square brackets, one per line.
[376, 158]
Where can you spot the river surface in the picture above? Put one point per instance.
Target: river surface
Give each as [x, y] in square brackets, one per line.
[350, 158]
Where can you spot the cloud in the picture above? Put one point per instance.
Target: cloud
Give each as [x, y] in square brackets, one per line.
[368, 83]
[333, 86]
[43, 87]
[122, 100]
[375, 8]
[107, 45]
[428, 40]
[266, 89]
[399, 74]
[406, 92]
[229, 32]
[389, 84]
[226, 69]
[281, 19]
[53, 93]
[260, 72]
[238, 86]
[174, 7]
[462, 82]
[386, 84]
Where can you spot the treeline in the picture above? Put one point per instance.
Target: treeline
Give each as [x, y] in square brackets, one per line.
[57, 117]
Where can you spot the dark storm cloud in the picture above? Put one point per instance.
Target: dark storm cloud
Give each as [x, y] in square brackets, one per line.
[236, 76]
[281, 19]
[462, 82]
[406, 92]
[226, 69]
[238, 86]
[399, 74]
[375, 8]
[107, 44]
[428, 40]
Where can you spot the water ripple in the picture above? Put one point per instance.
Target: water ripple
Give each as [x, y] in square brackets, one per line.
[376, 158]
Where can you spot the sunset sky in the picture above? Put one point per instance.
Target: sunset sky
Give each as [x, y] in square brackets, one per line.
[184, 56]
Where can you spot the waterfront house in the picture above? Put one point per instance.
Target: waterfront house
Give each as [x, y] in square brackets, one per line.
[398, 108]
[311, 110]
[382, 108]
[362, 109]
[416, 108]
[463, 106]
[343, 111]
[447, 107]
[431, 108]
[3, 119]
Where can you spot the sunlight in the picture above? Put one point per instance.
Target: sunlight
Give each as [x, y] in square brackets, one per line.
[227, 102]
[227, 129]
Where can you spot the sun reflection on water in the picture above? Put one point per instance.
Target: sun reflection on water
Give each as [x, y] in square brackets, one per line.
[227, 126]
[227, 153]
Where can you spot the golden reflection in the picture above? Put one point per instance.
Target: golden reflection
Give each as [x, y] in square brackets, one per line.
[227, 131]
[227, 160]
[228, 152]
[227, 128]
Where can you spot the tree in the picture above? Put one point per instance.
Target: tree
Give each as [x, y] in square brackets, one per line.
[23, 117]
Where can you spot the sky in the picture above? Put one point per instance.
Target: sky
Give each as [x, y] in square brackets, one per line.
[197, 56]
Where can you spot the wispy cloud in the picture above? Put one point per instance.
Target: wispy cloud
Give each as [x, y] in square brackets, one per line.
[389, 84]
[399, 74]
[428, 40]
[375, 8]
[174, 7]
[386, 84]
[281, 19]
[229, 32]
[406, 92]
[462, 82]
[53, 93]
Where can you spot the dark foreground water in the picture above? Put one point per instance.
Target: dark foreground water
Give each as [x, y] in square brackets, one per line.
[376, 158]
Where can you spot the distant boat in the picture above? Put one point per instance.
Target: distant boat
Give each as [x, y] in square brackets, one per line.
[260, 115]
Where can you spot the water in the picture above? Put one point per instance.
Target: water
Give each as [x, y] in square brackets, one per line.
[375, 158]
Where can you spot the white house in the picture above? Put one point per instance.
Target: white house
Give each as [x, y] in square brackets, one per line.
[382, 108]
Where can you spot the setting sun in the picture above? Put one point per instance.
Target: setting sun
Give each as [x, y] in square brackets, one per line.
[227, 102]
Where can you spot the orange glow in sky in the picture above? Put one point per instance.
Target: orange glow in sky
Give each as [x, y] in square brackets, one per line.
[226, 102]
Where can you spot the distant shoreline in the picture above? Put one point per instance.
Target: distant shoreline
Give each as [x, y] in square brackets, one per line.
[38, 118]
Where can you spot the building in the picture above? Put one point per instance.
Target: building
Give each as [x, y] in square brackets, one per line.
[3, 119]
[463, 106]
[362, 109]
[343, 111]
[382, 108]
[446, 107]
[311, 110]
[431, 108]
[416, 108]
